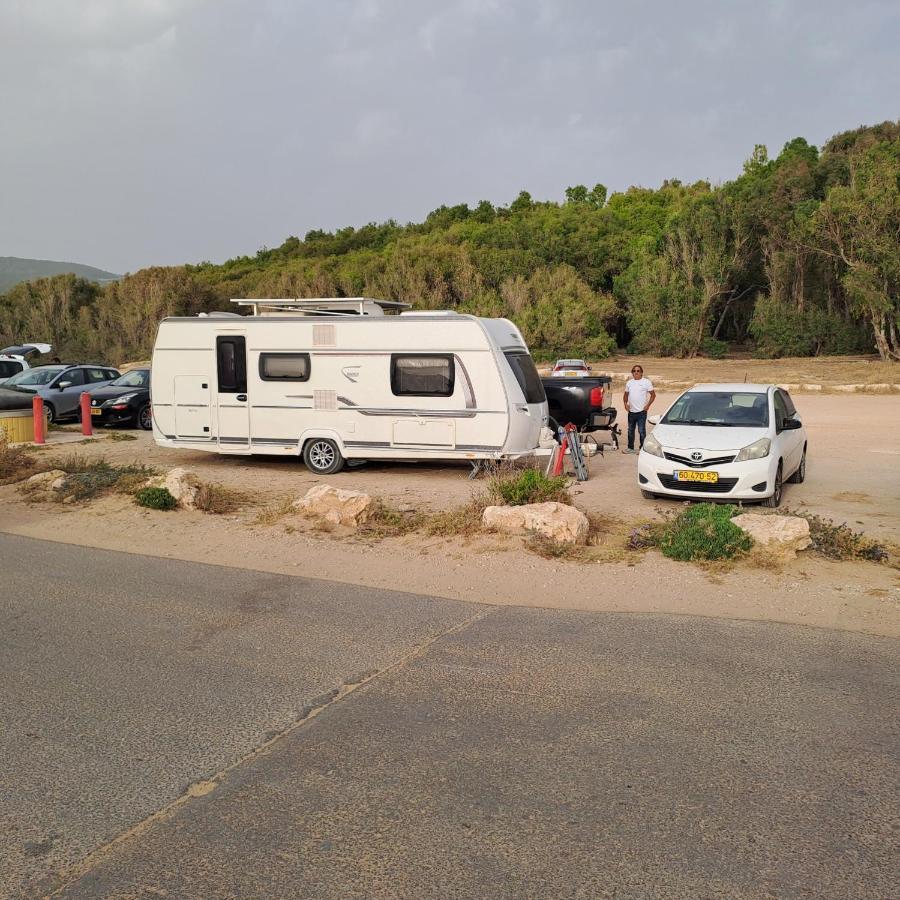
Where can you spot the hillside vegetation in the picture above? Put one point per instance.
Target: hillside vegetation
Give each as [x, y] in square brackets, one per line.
[797, 256]
[14, 269]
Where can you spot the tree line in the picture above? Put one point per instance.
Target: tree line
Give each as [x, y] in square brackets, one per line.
[797, 256]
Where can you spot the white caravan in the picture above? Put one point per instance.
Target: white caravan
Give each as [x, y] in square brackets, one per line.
[346, 379]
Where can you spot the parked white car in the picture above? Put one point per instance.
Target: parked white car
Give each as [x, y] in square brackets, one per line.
[570, 368]
[725, 442]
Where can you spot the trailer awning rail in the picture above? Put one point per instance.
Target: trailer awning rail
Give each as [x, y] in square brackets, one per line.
[321, 306]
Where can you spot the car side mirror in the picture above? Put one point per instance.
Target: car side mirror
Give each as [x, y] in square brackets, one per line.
[789, 424]
[63, 384]
[653, 420]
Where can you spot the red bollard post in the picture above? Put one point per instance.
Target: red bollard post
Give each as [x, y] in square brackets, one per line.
[37, 412]
[86, 426]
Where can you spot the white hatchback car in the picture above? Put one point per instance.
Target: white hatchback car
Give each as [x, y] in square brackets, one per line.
[725, 442]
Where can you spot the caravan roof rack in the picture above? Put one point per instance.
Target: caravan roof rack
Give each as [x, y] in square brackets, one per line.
[322, 306]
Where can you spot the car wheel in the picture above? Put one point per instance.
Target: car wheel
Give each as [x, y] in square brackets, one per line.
[322, 456]
[51, 413]
[800, 475]
[145, 417]
[648, 495]
[774, 501]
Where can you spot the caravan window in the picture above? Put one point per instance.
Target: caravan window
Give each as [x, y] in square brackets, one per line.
[527, 375]
[231, 363]
[422, 375]
[284, 366]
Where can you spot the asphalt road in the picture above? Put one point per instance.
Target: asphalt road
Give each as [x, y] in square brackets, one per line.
[173, 729]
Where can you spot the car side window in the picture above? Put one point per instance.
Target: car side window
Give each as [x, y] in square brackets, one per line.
[95, 375]
[789, 409]
[75, 377]
[780, 412]
[110, 374]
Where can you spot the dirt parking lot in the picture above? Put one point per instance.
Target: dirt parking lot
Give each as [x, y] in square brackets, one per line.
[852, 478]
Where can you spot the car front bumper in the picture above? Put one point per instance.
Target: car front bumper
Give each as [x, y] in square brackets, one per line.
[110, 416]
[750, 480]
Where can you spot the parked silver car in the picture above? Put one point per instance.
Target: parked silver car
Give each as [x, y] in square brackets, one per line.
[61, 386]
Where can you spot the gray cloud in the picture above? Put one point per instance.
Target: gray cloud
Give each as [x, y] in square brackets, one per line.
[163, 131]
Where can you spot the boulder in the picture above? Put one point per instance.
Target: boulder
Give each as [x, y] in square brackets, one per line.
[44, 482]
[180, 484]
[336, 505]
[784, 535]
[558, 522]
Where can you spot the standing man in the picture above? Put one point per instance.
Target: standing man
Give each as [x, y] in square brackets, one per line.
[639, 395]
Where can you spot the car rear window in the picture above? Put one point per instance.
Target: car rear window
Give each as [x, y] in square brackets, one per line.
[523, 368]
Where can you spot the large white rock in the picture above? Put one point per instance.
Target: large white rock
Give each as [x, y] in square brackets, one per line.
[336, 505]
[784, 535]
[557, 521]
[45, 481]
[180, 484]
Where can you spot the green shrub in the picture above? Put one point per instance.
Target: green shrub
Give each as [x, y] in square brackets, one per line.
[703, 531]
[155, 498]
[528, 486]
[714, 349]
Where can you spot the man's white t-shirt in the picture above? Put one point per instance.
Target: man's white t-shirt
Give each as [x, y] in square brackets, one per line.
[638, 390]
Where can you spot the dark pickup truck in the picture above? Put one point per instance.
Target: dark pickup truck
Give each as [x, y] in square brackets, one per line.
[582, 401]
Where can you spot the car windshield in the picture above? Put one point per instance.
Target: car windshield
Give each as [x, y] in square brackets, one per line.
[724, 409]
[138, 378]
[42, 375]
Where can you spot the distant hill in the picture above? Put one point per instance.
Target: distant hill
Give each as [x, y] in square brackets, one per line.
[13, 269]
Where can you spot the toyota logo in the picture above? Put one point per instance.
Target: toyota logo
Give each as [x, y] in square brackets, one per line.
[696, 456]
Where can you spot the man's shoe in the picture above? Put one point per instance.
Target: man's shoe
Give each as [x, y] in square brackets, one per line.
[628, 450]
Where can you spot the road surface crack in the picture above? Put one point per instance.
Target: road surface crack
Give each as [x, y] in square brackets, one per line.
[206, 786]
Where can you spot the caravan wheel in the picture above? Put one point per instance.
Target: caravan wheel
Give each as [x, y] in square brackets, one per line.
[322, 456]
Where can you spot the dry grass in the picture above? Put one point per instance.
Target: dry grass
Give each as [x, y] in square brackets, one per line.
[220, 500]
[388, 521]
[459, 521]
[823, 370]
[120, 436]
[17, 463]
[275, 512]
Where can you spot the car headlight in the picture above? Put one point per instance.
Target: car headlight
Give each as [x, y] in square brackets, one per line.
[756, 450]
[124, 398]
[652, 446]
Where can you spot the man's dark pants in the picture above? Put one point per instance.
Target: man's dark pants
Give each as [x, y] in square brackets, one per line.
[638, 419]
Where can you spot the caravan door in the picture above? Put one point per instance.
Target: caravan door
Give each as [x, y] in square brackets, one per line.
[233, 432]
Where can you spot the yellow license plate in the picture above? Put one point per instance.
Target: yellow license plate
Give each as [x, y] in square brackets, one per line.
[705, 477]
[96, 412]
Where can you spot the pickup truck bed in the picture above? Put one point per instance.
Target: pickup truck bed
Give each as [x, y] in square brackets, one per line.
[581, 401]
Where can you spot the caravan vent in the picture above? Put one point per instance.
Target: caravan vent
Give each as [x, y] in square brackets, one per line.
[324, 399]
[323, 335]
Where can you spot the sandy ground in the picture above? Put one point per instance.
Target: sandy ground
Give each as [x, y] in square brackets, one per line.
[852, 477]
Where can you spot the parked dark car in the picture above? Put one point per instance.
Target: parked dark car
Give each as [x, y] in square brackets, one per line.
[61, 386]
[582, 401]
[125, 401]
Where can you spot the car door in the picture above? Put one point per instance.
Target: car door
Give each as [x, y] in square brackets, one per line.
[68, 389]
[97, 377]
[794, 437]
[785, 439]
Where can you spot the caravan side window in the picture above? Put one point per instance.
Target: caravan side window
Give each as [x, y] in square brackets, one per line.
[231, 364]
[284, 366]
[422, 375]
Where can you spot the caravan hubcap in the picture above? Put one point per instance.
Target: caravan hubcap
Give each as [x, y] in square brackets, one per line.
[321, 455]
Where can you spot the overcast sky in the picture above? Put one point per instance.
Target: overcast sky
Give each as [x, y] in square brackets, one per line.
[140, 132]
